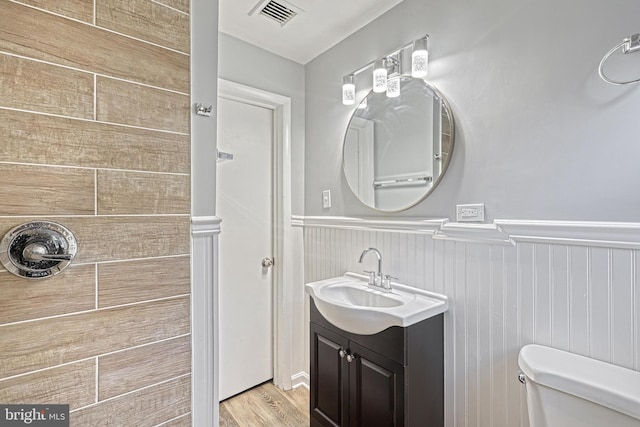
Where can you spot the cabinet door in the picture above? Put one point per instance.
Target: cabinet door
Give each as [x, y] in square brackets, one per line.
[329, 378]
[376, 390]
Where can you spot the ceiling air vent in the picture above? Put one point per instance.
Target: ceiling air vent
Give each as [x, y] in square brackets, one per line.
[280, 11]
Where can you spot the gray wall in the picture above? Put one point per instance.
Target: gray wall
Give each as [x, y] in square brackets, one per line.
[539, 135]
[250, 65]
[204, 63]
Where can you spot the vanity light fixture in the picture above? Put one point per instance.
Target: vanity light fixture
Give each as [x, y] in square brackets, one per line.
[393, 87]
[380, 76]
[394, 71]
[348, 90]
[388, 70]
[420, 58]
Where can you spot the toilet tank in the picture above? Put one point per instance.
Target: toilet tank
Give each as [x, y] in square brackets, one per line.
[568, 390]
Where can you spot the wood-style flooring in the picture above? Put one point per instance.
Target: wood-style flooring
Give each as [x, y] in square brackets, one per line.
[266, 405]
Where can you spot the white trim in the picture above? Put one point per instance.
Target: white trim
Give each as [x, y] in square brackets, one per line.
[204, 319]
[422, 226]
[283, 232]
[297, 221]
[625, 235]
[301, 379]
[205, 225]
[473, 233]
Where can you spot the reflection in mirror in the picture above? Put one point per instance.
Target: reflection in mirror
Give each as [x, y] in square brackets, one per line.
[396, 150]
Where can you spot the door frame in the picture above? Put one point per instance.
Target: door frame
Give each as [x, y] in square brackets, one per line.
[283, 277]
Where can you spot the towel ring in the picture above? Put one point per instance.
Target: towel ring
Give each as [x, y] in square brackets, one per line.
[628, 45]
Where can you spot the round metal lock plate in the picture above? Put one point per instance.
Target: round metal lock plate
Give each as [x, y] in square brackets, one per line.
[37, 249]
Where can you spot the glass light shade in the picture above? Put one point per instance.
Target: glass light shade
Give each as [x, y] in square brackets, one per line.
[380, 76]
[393, 87]
[420, 58]
[348, 90]
[348, 94]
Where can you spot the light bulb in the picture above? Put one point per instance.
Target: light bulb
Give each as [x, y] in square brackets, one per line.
[393, 87]
[380, 76]
[420, 58]
[348, 90]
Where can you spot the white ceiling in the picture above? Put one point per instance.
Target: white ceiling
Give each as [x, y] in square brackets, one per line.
[323, 24]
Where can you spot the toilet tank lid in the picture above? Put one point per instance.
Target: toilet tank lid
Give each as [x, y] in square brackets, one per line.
[605, 384]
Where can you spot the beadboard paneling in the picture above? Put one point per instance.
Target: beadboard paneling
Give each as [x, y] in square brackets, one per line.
[128, 370]
[81, 10]
[35, 138]
[145, 20]
[64, 339]
[73, 384]
[144, 408]
[72, 290]
[143, 193]
[579, 298]
[134, 281]
[136, 105]
[31, 85]
[46, 190]
[74, 44]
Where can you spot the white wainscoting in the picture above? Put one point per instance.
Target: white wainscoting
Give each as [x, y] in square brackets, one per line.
[569, 285]
[204, 318]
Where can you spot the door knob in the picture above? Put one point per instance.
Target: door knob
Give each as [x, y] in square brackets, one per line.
[267, 262]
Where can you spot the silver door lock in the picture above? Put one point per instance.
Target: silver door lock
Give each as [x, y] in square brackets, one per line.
[37, 249]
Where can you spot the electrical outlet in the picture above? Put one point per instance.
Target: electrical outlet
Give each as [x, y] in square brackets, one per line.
[470, 213]
[326, 199]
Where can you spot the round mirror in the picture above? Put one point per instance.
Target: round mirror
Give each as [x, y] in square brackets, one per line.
[396, 150]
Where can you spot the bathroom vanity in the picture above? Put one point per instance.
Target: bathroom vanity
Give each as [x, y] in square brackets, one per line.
[394, 377]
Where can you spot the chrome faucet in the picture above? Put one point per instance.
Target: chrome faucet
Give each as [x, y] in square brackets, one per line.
[376, 278]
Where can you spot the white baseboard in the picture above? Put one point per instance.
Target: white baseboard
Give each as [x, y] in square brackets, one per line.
[301, 379]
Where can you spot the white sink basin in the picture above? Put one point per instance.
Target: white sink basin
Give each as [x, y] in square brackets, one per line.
[351, 305]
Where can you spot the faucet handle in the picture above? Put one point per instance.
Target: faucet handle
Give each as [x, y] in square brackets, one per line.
[372, 276]
[386, 281]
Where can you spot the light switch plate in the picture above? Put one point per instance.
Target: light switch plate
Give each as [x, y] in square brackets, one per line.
[326, 199]
[470, 213]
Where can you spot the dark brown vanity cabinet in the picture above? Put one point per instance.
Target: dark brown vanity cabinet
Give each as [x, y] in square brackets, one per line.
[392, 378]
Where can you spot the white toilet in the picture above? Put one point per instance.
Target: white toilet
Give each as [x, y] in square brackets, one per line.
[568, 390]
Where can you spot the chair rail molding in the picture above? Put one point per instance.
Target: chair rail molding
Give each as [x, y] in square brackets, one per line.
[624, 235]
[421, 226]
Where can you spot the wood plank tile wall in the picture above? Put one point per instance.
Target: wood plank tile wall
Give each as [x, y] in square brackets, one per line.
[94, 134]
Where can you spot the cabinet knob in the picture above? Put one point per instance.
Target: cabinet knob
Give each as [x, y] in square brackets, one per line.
[342, 353]
[350, 358]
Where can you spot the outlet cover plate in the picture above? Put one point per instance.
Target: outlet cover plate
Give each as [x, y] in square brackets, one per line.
[470, 213]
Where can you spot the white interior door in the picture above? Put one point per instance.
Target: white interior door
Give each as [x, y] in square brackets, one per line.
[244, 202]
